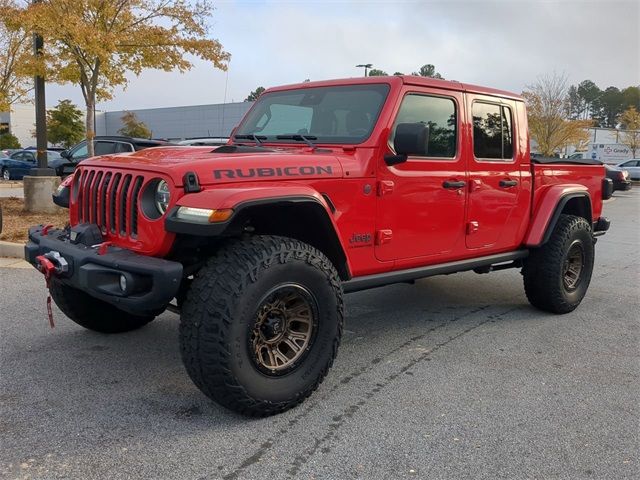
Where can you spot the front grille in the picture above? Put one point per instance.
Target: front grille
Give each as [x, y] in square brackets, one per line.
[110, 200]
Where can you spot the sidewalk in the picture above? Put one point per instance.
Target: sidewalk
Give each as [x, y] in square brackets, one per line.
[13, 263]
[11, 189]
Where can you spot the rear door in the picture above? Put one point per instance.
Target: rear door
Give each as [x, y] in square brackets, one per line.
[421, 202]
[494, 174]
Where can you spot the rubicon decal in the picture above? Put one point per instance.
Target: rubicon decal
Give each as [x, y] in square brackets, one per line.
[272, 172]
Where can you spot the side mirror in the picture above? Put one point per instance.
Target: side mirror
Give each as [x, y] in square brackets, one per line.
[410, 139]
[65, 154]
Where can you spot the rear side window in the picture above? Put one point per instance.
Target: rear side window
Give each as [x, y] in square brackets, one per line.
[492, 131]
[104, 148]
[439, 114]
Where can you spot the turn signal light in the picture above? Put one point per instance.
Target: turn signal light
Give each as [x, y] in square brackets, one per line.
[203, 215]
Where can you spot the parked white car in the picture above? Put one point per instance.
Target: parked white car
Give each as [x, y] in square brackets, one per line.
[632, 166]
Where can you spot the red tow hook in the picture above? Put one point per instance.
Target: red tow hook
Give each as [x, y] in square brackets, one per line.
[47, 268]
[48, 264]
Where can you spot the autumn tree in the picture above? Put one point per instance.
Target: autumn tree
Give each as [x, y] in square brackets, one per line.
[96, 44]
[630, 136]
[549, 125]
[8, 140]
[15, 53]
[132, 127]
[253, 96]
[428, 70]
[64, 124]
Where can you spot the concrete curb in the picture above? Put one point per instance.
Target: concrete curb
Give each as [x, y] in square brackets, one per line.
[11, 250]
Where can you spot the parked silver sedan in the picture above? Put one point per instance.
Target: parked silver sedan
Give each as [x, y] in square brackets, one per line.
[632, 166]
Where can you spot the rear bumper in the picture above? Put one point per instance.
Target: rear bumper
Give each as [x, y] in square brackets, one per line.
[151, 283]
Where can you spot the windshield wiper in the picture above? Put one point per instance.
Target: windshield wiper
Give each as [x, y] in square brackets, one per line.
[251, 136]
[300, 138]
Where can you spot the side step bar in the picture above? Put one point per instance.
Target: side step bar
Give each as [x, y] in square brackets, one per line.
[399, 276]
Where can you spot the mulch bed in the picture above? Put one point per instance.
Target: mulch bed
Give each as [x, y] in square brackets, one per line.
[16, 222]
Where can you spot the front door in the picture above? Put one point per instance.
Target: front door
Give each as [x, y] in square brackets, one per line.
[421, 202]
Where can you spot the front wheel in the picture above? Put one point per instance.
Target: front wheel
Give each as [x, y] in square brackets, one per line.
[94, 314]
[6, 175]
[261, 324]
[557, 275]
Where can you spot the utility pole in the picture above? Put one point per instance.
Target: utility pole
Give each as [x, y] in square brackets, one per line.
[41, 114]
[41, 181]
[366, 67]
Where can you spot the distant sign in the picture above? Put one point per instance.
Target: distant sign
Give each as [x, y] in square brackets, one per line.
[610, 152]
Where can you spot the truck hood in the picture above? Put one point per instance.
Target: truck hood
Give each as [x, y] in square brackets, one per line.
[216, 166]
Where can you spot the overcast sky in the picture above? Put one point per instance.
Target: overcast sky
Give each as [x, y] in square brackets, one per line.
[502, 44]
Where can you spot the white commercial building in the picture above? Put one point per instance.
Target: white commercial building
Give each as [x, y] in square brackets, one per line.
[172, 123]
[21, 122]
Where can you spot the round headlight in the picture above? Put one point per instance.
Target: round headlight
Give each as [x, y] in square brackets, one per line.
[163, 195]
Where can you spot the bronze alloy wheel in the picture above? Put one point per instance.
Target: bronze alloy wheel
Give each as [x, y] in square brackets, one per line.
[573, 264]
[284, 329]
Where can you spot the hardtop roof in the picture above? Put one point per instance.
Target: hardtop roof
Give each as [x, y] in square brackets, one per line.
[407, 80]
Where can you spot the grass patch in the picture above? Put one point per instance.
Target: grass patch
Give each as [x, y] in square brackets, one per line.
[16, 221]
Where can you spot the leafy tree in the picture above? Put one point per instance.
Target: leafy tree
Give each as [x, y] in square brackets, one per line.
[132, 127]
[253, 96]
[609, 107]
[96, 43]
[428, 70]
[588, 93]
[64, 124]
[8, 140]
[398, 73]
[631, 98]
[630, 136]
[549, 124]
[15, 53]
[374, 72]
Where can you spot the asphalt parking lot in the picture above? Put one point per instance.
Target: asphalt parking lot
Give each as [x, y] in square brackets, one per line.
[454, 377]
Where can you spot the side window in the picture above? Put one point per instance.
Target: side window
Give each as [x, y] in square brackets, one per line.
[17, 156]
[80, 151]
[104, 148]
[29, 157]
[439, 114]
[121, 147]
[492, 131]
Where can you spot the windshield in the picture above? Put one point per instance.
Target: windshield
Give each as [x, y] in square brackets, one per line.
[340, 114]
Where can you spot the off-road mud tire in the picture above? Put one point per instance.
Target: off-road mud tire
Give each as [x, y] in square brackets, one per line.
[545, 269]
[94, 314]
[222, 305]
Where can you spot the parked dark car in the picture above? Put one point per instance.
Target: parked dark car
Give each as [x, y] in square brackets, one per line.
[103, 145]
[619, 177]
[19, 163]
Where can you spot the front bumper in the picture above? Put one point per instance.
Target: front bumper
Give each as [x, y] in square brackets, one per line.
[151, 283]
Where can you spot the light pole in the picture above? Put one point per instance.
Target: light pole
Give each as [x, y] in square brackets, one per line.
[366, 67]
[41, 114]
[40, 182]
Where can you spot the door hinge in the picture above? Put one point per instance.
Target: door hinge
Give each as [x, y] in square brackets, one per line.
[383, 236]
[385, 187]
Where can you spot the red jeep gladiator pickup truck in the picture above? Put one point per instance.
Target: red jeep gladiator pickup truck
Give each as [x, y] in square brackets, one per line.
[324, 188]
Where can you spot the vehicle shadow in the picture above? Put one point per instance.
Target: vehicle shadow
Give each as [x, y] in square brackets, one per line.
[125, 381]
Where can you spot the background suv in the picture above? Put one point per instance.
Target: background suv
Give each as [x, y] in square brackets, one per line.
[103, 145]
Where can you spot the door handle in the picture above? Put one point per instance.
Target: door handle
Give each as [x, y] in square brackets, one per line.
[508, 183]
[453, 185]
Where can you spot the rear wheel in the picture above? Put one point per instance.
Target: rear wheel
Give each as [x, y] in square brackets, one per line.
[94, 314]
[261, 324]
[557, 275]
